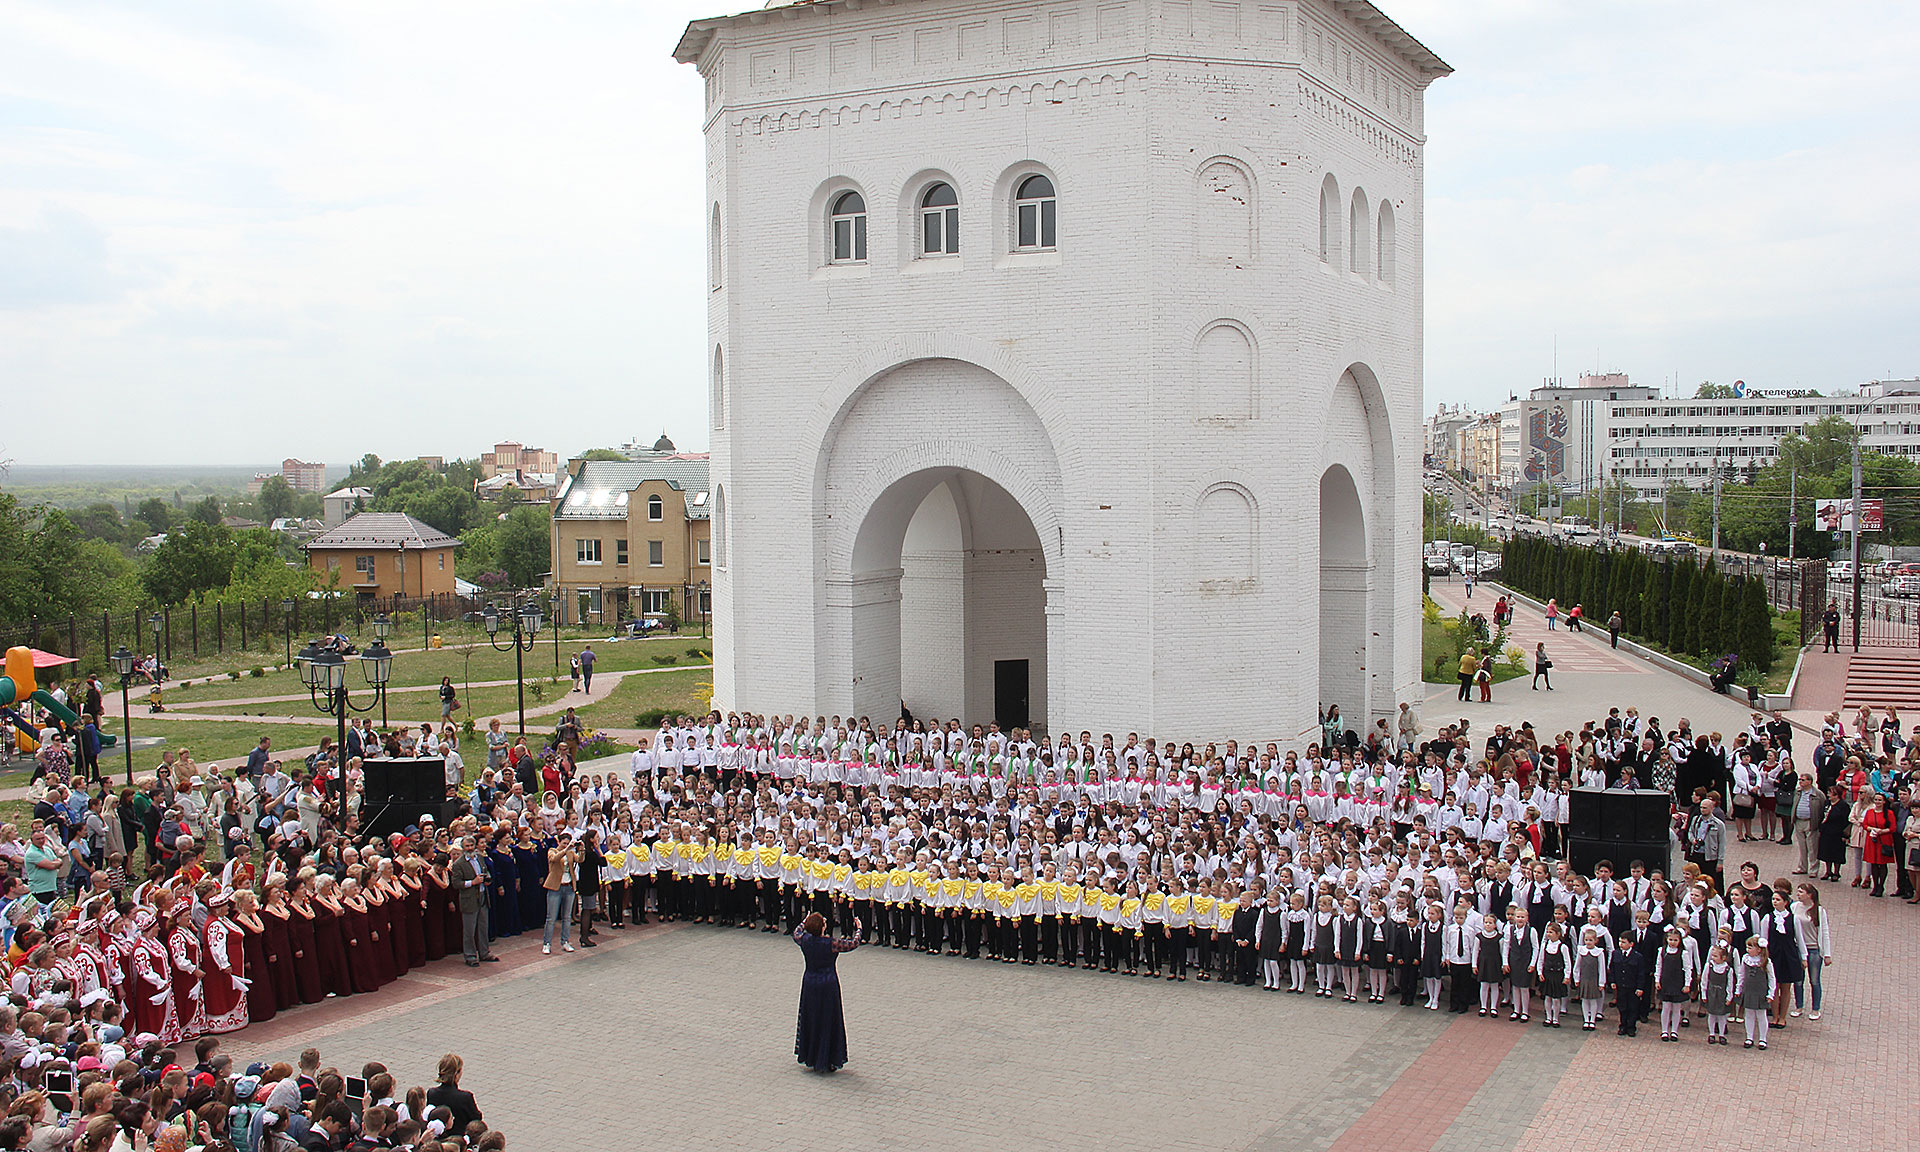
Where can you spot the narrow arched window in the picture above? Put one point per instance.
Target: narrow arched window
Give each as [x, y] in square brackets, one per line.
[848, 228]
[1357, 245]
[654, 508]
[1034, 209]
[939, 221]
[1384, 240]
[1329, 220]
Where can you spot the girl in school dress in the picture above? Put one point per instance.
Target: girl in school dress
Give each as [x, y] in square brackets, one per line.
[1755, 989]
[1347, 943]
[1553, 966]
[1489, 963]
[1786, 950]
[1326, 945]
[1298, 946]
[1521, 950]
[1716, 992]
[1376, 947]
[1590, 978]
[1673, 975]
[1270, 939]
[1432, 959]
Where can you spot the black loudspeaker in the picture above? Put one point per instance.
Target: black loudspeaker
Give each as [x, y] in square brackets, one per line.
[1619, 816]
[382, 818]
[1584, 814]
[417, 781]
[1583, 853]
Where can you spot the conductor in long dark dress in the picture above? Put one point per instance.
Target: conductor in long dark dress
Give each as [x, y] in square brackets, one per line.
[820, 1039]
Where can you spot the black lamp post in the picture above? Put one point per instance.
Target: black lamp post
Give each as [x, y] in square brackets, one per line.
[156, 623]
[558, 616]
[324, 673]
[382, 628]
[123, 667]
[526, 625]
[703, 609]
[286, 607]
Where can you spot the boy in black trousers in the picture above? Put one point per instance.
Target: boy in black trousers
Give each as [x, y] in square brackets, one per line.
[1628, 969]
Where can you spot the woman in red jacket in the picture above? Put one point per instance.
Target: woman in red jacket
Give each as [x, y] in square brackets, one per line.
[1880, 849]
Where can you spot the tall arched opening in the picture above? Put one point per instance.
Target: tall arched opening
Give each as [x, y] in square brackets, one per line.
[1344, 587]
[939, 523]
[966, 637]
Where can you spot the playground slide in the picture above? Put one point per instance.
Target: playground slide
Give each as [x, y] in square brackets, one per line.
[19, 667]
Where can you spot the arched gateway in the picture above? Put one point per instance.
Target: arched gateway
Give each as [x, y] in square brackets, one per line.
[1047, 400]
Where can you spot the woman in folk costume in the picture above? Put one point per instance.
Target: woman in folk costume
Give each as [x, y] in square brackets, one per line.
[224, 952]
[152, 985]
[188, 970]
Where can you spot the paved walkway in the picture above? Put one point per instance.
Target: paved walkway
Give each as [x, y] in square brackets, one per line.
[694, 1025]
[1588, 678]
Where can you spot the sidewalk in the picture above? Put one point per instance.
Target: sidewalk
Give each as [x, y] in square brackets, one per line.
[1588, 677]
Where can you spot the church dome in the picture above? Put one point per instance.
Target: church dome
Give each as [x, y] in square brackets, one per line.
[663, 444]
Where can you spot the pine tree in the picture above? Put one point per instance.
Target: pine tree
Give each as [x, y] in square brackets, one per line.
[1733, 601]
[1653, 601]
[1756, 628]
[1680, 608]
[1706, 609]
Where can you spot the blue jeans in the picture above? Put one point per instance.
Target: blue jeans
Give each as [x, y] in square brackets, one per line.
[559, 911]
[1815, 962]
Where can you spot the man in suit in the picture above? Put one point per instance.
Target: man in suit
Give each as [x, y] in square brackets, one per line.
[1809, 808]
[1246, 919]
[468, 875]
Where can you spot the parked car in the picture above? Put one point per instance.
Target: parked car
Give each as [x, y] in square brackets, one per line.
[1840, 570]
[1439, 565]
[1905, 586]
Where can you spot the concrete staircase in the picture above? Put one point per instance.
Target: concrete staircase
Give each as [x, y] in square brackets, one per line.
[1881, 676]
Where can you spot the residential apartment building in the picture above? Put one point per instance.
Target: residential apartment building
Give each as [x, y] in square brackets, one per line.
[630, 537]
[304, 477]
[1443, 431]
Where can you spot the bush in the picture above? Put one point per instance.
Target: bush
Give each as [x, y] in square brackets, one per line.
[696, 654]
[653, 717]
[234, 675]
[256, 673]
[669, 658]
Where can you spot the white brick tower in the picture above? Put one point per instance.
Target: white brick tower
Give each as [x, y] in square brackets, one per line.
[1066, 360]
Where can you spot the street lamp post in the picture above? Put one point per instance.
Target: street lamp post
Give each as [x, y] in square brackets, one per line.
[324, 673]
[703, 609]
[526, 625]
[286, 608]
[123, 667]
[155, 623]
[382, 627]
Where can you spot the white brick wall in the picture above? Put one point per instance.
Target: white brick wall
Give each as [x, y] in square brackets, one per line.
[1188, 144]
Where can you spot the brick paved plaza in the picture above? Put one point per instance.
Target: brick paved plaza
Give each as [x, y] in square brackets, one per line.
[680, 1036]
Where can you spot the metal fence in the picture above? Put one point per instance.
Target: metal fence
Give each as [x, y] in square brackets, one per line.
[197, 632]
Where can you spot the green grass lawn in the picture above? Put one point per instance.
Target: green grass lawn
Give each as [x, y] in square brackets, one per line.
[636, 694]
[211, 739]
[418, 667]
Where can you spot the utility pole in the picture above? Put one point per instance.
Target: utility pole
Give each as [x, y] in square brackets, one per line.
[1793, 520]
[1856, 540]
[1716, 510]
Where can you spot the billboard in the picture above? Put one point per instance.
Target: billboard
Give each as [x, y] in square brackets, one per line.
[1546, 452]
[1837, 515]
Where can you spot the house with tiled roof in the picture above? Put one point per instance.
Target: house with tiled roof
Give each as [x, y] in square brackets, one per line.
[383, 554]
[631, 537]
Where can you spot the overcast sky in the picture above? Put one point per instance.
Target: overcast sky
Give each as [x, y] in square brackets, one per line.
[236, 230]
